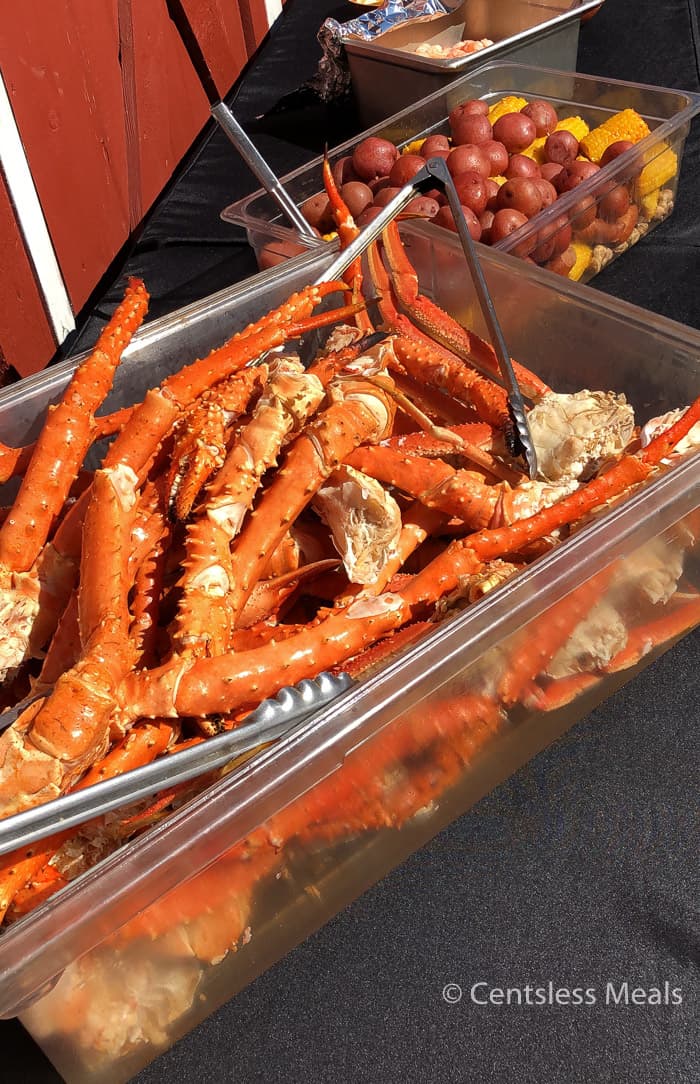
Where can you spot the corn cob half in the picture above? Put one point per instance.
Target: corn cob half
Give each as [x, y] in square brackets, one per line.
[625, 125]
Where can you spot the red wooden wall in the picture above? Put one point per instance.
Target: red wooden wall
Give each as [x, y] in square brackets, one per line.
[107, 103]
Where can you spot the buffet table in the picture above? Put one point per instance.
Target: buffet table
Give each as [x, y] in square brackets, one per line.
[581, 869]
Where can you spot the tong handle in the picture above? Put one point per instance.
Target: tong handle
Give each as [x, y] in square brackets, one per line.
[437, 170]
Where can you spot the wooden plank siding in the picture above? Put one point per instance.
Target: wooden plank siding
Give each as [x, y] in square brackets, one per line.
[26, 338]
[106, 103]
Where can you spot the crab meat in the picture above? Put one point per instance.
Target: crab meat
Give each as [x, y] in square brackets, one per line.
[593, 643]
[575, 434]
[364, 519]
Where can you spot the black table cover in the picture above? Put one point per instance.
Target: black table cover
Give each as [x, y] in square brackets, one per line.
[582, 868]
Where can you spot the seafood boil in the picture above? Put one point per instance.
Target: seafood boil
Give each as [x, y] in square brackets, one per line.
[254, 524]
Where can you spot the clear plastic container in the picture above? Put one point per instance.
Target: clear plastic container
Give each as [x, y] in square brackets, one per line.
[131, 956]
[667, 112]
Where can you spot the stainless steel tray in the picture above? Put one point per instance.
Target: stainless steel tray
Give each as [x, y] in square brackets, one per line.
[388, 74]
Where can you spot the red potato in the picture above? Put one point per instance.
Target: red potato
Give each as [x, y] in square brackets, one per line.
[544, 250]
[356, 197]
[561, 147]
[576, 173]
[423, 206]
[367, 215]
[471, 128]
[472, 191]
[520, 194]
[444, 218]
[317, 212]
[492, 189]
[615, 203]
[468, 157]
[405, 168]
[439, 154]
[550, 171]
[344, 171]
[468, 108]
[378, 183]
[275, 252]
[520, 165]
[497, 155]
[505, 222]
[583, 213]
[382, 198]
[543, 115]
[486, 221]
[433, 145]
[515, 131]
[614, 150]
[547, 191]
[559, 231]
[374, 157]
[562, 262]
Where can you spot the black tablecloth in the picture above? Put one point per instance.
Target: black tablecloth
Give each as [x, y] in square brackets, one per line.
[582, 868]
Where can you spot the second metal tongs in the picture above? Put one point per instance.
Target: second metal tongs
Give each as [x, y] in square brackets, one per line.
[435, 174]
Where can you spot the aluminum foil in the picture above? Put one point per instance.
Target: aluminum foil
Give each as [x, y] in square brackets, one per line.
[393, 13]
[332, 80]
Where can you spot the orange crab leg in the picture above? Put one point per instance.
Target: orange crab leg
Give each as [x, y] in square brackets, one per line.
[465, 556]
[459, 493]
[364, 414]
[433, 364]
[677, 620]
[539, 643]
[61, 447]
[438, 325]
[142, 745]
[42, 754]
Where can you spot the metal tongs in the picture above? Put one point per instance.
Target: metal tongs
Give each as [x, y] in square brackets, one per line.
[226, 120]
[271, 720]
[435, 174]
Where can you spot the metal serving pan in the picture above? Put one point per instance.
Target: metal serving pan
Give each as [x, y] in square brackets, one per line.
[387, 74]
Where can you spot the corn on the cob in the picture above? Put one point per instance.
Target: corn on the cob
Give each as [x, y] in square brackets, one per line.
[536, 149]
[414, 146]
[583, 259]
[650, 203]
[625, 125]
[658, 172]
[509, 104]
[576, 125]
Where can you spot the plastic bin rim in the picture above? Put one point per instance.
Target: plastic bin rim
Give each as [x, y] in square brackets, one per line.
[237, 212]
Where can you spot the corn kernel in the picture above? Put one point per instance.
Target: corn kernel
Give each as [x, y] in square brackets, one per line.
[509, 104]
[576, 125]
[650, 203]
[536, 149]
[658, 172]
[414, 146]
[583, 259]
[625, 125]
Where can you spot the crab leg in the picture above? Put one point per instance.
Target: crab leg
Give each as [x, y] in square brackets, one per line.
[45, 590]
[427, 361]
[463, 557]
[43, 753]
[18, 869]
[360, 413]
[441, 327]
[54, 464]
